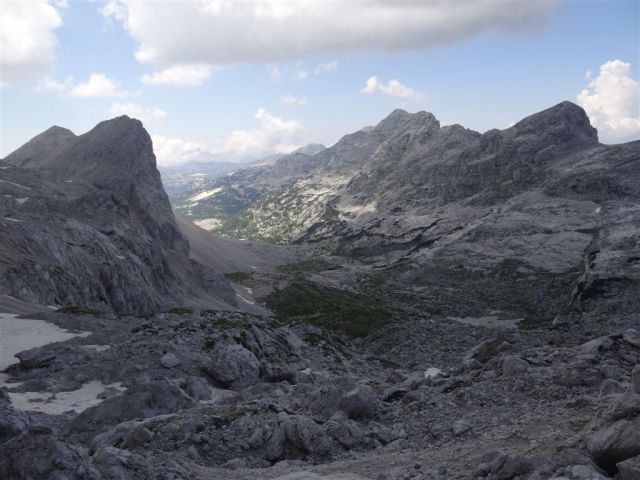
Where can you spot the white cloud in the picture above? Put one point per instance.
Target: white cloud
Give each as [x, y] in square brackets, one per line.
[27, 38]
[48, 84]
[225, 32]
[293, 100]
[393, 88]
[174, 151]
[179, 76]
[612, 101]
[273, 135]
[137, 111]
[98, 85]
[326, 67]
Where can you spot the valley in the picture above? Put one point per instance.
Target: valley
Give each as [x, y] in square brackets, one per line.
[416, 301]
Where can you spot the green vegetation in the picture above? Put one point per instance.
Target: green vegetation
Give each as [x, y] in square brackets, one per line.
[78, 310]
[310, 265]
[238, 277]
[306, 302]
[179, 311]
[590, 231]
[512, 287]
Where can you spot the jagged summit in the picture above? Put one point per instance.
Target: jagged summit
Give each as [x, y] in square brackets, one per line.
[402, 120]
[564, 122]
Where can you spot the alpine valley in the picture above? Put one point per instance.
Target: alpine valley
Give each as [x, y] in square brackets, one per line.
[416, 301]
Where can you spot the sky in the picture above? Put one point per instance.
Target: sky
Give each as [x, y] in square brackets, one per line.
[237, 79]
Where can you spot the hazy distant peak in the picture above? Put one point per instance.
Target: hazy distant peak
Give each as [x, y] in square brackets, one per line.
[310, 149]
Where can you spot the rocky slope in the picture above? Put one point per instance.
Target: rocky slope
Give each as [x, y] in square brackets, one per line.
[85, 221]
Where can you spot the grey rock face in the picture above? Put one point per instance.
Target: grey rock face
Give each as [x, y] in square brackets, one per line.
[635, 379]
[140, 401]
[54, 458]
[12, 421]
[85, 221]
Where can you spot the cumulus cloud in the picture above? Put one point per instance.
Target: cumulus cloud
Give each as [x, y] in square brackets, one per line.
[179, 76]
[393, 88]
[612, 101]
[326, 67]
[137, 111]
[98, 85]
[225, 32]
[27, 38]
[293, 100]
[174, 151]
[274, 134]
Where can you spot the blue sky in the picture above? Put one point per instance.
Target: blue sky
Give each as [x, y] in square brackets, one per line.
[229, 98]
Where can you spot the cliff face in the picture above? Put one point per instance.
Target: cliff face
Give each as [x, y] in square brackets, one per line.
[85, 221]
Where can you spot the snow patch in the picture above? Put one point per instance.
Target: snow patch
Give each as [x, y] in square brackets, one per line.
[357, 210]
[208, 223]
[60, 402]
[18, 334]
[205, 194]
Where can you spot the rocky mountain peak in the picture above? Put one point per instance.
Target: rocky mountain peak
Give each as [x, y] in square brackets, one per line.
[565, 123]
[401, 120]
[32, 154]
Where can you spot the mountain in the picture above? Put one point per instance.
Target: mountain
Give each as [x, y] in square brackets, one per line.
[85, 221]
[542, 200]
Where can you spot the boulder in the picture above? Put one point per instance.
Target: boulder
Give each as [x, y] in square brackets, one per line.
[596, 345]
[232, 366]
[359, 404]
[36, 357]
[140, 401]
[632, 337]
[614, 443]
[169, 360]
[460, 427]
[629, 469]
[198, 388]
[513, 365]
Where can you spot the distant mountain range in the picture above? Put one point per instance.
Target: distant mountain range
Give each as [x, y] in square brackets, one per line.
[542, 198]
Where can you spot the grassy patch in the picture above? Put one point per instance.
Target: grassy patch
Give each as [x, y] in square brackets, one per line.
[306, 302]
[310, 265]
[78, 310]
[238, 277]
[179, 311]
